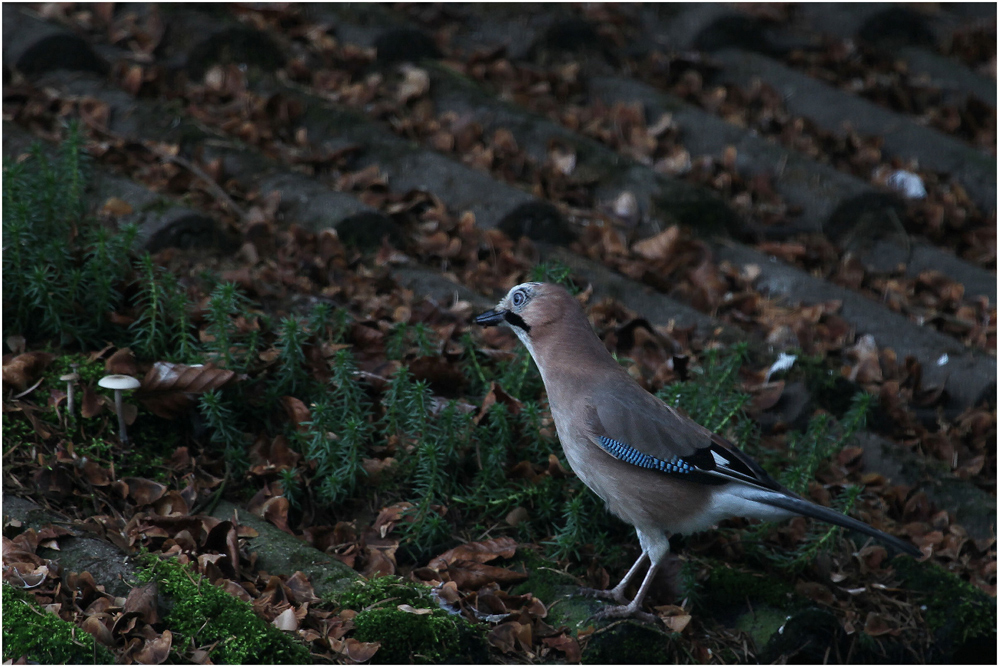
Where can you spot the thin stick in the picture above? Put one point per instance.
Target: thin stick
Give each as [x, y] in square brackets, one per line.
[214, 188]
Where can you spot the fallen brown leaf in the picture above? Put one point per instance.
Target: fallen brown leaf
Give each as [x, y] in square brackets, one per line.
[480, 552]
[358, 651]
[155, 651]
[25, 368]
[142, 600]
[122, 362]
[144, 491]
[167, 389]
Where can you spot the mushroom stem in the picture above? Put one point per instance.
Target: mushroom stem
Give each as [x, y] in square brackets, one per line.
[119, 407]
[119, 384]
[70, 380]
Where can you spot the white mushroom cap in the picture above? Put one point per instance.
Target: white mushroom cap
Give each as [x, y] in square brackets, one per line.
[69, 377]
[122, 382]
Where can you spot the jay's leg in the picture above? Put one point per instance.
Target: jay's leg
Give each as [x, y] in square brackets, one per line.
[655, 546]
[617, 593]
[634, 608]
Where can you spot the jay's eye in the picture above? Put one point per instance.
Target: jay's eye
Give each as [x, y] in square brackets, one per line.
[519, 298]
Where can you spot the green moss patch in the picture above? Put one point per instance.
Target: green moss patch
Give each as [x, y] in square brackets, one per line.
[408, 637]
[956, 610]
[761, 623]
[209, 616]
[42, 637]
[727, 586]
[631, 643]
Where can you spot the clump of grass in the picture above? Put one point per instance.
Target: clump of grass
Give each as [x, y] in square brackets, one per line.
[339, 432]
[808, 451]
[63, 271]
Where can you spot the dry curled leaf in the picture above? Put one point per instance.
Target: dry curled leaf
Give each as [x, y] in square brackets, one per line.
[144, 491]
[155, 651]
[658, 247]
[286, 620]
[92, 403]
[358, 651]
[142, 599]
[298, 413]
[167, 388]
[122, 362]
[676, 618]
[480, 552]
[415, 83]
[877, 625]
[566, 644]
[25, 368]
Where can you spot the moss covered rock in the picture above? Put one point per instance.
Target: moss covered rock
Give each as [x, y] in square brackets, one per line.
[210, 617]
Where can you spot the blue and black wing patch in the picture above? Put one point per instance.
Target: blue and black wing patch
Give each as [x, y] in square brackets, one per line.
[629, 454]
[686, 468]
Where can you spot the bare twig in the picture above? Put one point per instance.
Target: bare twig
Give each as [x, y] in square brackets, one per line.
[214, 188]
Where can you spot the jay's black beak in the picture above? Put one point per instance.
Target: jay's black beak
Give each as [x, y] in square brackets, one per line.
[490, 318]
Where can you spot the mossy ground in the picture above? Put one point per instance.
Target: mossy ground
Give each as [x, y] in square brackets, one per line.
[407, 637]
[957, 611]
[208, 616]
[631, 643]
[42, 637]
[727, 586]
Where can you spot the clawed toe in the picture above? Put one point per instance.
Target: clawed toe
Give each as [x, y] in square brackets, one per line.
[624, 611]
[607, 594]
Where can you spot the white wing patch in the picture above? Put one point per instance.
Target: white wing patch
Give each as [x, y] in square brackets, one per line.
[719, 459]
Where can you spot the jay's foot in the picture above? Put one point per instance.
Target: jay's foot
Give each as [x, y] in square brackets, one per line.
[608, 594]
[630, 610]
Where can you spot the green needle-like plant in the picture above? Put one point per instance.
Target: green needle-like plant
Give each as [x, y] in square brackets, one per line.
[222, 422]
[62, 270]
[162, 329]
[292, 373]
[224, 304]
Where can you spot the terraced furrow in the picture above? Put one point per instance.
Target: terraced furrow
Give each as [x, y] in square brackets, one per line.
[919, 49]
[815, 189]
[879, 51]
[943, 216]
[903, 138]
[453, 96]
[461, 188]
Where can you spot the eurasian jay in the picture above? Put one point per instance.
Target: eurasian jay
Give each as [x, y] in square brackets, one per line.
[653, 466]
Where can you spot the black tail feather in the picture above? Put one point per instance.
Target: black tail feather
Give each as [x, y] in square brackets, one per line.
[805, 508]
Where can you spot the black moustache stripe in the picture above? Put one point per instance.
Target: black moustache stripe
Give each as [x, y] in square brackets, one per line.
[516, 320]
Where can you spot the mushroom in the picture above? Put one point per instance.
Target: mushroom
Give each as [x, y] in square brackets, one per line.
[119, 383]
[70, 380]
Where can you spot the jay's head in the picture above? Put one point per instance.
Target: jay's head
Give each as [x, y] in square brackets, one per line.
[529, 309]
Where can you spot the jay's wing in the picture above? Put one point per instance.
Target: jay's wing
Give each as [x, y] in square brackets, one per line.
[634, 426]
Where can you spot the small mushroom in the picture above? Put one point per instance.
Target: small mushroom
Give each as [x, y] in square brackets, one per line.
[70, 380]
[119, 383]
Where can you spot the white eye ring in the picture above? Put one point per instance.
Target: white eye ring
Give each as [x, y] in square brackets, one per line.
[518, 298]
